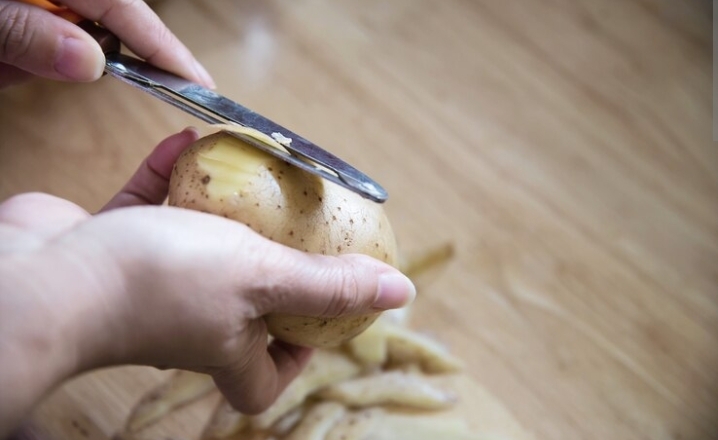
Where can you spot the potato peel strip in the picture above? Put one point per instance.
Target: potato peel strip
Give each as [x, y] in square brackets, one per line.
[250, 132]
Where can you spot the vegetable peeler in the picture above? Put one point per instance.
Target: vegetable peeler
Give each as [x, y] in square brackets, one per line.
[217, 109]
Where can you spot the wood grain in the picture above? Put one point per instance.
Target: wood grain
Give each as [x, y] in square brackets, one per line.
[563, 146]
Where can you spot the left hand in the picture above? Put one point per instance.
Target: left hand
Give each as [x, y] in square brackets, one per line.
[161, 286]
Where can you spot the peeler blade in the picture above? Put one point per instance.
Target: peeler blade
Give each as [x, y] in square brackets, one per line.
[217, 109]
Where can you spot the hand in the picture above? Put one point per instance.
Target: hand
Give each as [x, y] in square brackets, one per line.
[36, 42]
[161, 286]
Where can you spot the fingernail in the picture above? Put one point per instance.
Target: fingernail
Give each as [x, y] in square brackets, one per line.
[79, 60]
[191, 130]
[204, 75]
[395, 290]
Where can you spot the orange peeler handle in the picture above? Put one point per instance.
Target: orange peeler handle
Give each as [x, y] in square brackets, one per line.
[59, 10]
[107, 40]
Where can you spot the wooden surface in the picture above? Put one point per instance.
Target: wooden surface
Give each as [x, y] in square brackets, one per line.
[564, 146]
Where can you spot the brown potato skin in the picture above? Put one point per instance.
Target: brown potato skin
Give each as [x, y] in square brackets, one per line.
[294, 208]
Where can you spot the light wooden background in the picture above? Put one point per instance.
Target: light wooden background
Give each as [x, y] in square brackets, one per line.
[564, 146]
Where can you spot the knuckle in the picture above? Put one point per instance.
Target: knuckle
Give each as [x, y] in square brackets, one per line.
[346, 298]
[270, 286]
[164, 38]
[15, 34]
[264, 296]
[116, 7]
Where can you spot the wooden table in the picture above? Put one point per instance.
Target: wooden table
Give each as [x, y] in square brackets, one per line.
[563, 146]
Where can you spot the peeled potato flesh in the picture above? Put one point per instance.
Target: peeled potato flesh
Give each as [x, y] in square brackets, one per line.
[408, 390]
[318, 421]
[182, 388]
[224, 423]
[326, 367]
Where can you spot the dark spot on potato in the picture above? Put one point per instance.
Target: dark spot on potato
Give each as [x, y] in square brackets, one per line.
[206, 179]
[256, 204]
[376, 245]
[339, 248]
[279, 206]
[301, 211]
[286, 329]
[351, 221]
[270, 168]
[304, 192]
[301, 240]
[291, 233]
[320, 198]
[339, 208]
[334, 218]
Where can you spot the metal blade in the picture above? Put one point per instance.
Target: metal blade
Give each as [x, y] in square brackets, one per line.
[214, 108]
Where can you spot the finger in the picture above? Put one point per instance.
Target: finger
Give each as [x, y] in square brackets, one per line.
[42, 214]
[318, 285]
[150, 182]
[38, 42]
[142, 31]
[252, 384]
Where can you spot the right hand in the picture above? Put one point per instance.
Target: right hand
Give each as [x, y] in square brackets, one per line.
[33, 41]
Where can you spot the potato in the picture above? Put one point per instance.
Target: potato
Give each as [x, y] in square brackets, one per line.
[223, 175]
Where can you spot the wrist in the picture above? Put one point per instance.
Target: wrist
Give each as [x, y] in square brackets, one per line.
[87, 289]
[52, 306]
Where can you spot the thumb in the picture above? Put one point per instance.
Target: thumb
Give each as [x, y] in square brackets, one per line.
[319, 285]
[43, 44]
